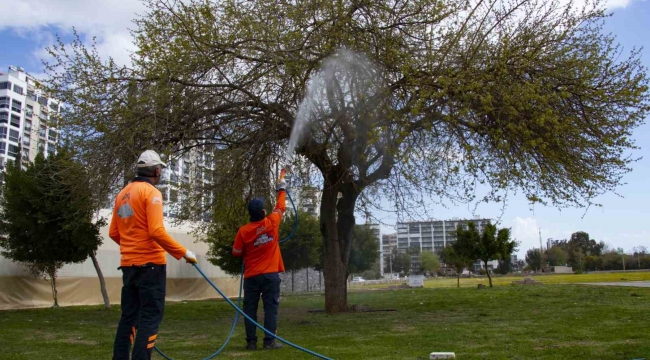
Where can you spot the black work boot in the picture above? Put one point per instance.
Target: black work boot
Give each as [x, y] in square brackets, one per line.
[251, 345]
[272, 345]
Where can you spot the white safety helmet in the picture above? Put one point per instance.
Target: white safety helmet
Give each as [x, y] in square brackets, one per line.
[150, 158]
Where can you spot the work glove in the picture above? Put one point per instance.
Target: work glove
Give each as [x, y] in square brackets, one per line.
[282, 185]
[190, 257]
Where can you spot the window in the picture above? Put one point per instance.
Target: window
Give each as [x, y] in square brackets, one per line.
[42, 132]
[18, 89]
[16, 106]
[26, 141]
[29, 107]
[13, 135]
[4, 117]
[28, 126]
[12, 150]
[15, 120]
[4, 102]
[173, 195]
[31, 94]
[3, 146]
[51, 136]
[54, 106]
[42, 100]
[5, 85]
[3, 132]
[41, 146]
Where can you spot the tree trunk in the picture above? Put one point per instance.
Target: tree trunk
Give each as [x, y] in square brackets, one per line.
[487, 271]
[102, 283]
[458, 281]
[336, 222]
[320, 280]
[307, 272]
[52, 274]
[292, 281]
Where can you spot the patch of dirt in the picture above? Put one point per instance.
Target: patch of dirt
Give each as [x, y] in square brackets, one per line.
[80, 341]
[357, 308]
[402, 328]
[40, 335]
[527, 281]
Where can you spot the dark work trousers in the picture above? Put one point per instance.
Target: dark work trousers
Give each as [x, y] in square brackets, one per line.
[268, 286]
[143, 303]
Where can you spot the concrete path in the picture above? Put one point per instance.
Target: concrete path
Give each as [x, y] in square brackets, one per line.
[621, 283]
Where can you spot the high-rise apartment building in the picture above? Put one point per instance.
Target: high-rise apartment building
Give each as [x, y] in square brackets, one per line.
[28, 117]
[432, 235]
[386, 246]
[190, 172]
[555, 242]
[306, 198]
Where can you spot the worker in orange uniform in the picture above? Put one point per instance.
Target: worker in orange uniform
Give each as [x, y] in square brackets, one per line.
[258, 243]
[137, 227]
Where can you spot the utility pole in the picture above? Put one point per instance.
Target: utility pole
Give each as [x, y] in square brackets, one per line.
[541, 248]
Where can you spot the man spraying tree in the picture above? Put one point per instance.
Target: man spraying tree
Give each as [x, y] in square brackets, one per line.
[258, 243]
[137, 227]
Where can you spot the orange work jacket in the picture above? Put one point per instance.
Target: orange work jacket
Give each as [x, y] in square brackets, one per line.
[258, 243]
[137, 226]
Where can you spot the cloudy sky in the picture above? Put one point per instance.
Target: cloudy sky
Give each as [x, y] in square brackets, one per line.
[30, 25]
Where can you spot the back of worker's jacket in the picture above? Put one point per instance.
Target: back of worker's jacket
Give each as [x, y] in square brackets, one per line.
[137, 226]
[258, 242]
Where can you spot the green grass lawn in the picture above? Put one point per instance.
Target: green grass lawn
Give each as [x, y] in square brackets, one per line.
[505, 322]
[498, 280]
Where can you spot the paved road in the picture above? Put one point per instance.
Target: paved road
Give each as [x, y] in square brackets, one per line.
[621, 283]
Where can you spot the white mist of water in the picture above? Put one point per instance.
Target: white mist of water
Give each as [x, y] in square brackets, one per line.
[344, 64]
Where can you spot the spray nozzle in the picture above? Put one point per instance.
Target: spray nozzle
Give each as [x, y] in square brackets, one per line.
[283, 172]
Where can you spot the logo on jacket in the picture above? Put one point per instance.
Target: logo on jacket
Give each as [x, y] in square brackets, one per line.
[263, 239]
[260, 230]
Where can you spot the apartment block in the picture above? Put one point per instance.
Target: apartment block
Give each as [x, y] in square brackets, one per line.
[191, 172]
[432, 235]
[386, 246]
[28, 117]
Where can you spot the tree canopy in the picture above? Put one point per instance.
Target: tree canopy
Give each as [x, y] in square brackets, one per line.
[455, 260]
[409, 99]
[365, 249]
[556, 256]
[429, 262]
[303, 249]
[47, 213]
[534, 259]
[486, 245]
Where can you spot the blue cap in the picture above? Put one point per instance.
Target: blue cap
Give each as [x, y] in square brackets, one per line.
[256, 209]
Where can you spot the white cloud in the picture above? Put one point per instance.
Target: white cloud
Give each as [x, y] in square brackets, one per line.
[526, 232]
[612, 4]
[108, 20]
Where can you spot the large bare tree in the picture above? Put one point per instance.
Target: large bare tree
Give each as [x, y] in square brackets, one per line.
[419, 99]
